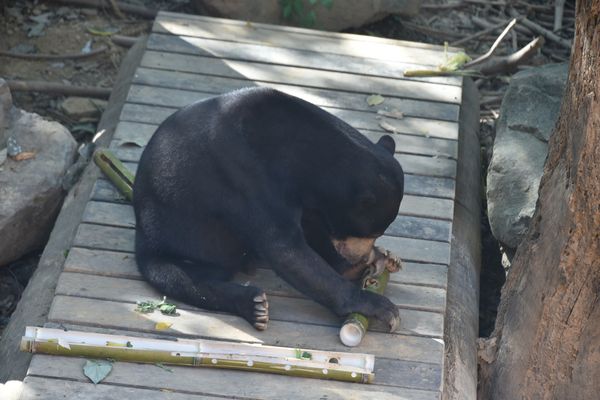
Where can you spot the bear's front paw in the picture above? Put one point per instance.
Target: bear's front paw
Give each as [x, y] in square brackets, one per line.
[381, 308]
[255, 308]
[384, 259]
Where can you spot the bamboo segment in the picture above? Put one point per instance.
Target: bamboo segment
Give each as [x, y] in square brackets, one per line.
[355, 326]
[350, 367]
[118, 174]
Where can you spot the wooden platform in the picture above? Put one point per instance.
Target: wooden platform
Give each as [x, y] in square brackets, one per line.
[190, 58]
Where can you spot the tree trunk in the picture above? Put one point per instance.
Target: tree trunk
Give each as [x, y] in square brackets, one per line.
[546, 344]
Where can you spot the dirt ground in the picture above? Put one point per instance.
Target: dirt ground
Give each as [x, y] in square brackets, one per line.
[36, 27]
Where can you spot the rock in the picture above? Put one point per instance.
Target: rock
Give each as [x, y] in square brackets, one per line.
[82, 107]
[30, 190]
[528, 114]
[5, 107]
[341, 15]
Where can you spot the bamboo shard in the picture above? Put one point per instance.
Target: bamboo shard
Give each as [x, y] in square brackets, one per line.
[355, 327]
[114, 169]
[350, 367]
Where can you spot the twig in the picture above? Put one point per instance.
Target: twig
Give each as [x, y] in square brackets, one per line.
[40, 57]
[58, 88]
[559, 9]
[478, 34]
[125, 41]
[491, 100]
[508, 63]
[489, 53]
[128, 8]
[116, 9]
[542, 31]
[519, 28]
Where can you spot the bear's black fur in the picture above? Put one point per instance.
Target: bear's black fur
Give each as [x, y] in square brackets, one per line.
[260, 176]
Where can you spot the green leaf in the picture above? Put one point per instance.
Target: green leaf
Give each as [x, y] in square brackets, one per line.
[312, 2]
[287, 10]
[146, 307]
[309, 19]
[327, 3]
[375, 99]
[168, 309]
[97, 370]
[299, 7]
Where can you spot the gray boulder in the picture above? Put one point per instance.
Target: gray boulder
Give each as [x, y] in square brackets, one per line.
[30, 190]
[341, 15]
[528, 114]
[5, 107]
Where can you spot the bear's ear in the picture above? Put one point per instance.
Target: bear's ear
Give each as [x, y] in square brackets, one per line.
[387, 143]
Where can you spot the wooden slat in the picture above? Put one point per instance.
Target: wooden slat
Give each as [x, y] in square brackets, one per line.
[404, 226]
[281, 308]
[357, 119]
[78, 310]
[122, 239]
[308, 33]
[284, 56]
[122, 265]
[222, 383]
[37, 386]
[301, 40]
[299, 76]
[213, 85]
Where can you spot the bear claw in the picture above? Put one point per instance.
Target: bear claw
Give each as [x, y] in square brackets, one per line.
[261, 312]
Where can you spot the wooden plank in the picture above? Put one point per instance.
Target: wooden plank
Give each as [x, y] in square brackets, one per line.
[103, 237]
[292, 57]
[420, 228]
[368, 120]
[309, 33]
[423, 319]
[110, 314]
[116, 214]
[37, 385]
[122, 265]
[181, 63]
[213, 85]
[228, 384]
[255, 34]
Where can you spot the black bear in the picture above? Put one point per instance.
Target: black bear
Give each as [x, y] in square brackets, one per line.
[258, 176]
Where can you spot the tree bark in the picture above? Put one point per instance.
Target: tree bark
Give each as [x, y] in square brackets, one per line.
[546, 344]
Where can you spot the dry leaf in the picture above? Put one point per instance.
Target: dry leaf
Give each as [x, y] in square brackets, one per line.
[161, 326]
[391, 113]
[375, 99]
[25, 155]
[388, 127]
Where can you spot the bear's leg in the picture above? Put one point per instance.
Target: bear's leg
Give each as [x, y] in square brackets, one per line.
[204, 286]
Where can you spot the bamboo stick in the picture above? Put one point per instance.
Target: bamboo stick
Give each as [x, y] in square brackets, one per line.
[355, 327]
[350, 367]
[114, 169]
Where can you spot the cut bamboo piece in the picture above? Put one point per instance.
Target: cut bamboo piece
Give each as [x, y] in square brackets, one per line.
[114, 169]
[355, 326]
[351, 367]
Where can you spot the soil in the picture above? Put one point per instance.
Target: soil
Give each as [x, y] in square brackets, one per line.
[70, 28]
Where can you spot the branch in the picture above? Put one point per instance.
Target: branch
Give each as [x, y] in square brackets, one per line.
[478, 34]
[59, 88]
[128, 8]
[542, 31]
[489, 53]
[40, 57]
[508, 63]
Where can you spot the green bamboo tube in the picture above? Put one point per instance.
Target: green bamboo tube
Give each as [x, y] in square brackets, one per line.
[349, 367]
[114, 169]
[355, 326]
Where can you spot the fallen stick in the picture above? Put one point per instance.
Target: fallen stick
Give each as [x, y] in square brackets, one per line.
[114, 169]
[497, 65]
[59, 88]
[41, 57]
[125, 41]
[489, 53]
[128, 8]
[542, 31]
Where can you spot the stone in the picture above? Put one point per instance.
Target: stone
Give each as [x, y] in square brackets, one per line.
[82, 107]
[341, 15]
[31, 190]
[528, 114]
[5, 107]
